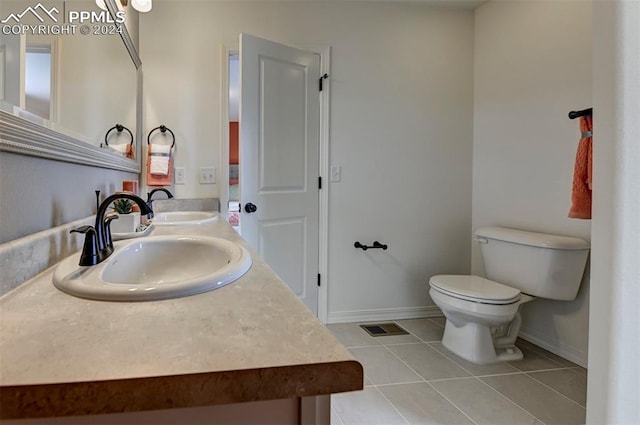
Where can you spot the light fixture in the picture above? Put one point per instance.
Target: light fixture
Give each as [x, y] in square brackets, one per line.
[142, 5]
[139, 5]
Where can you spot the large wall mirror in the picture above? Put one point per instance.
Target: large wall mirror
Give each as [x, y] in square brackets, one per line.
[70, 82]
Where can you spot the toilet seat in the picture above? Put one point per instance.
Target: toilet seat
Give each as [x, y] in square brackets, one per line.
[475, 289]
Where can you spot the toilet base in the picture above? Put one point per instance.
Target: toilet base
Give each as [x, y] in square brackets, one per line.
[473, 342]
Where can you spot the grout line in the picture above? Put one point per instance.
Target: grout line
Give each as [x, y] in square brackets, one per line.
[515, 372]
[436, 323]
[361, 346]
[391, 384]
[403, 343]
[453, 361]
[333, 410]
[556, 391]
[509, 400]
[406, 364]
[578, 370]
[425, 341]
[452, 403]
[393, 405]
[457, 378]
[541, 370]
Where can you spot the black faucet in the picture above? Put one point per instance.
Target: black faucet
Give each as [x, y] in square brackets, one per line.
[98, 245]
[150, 195]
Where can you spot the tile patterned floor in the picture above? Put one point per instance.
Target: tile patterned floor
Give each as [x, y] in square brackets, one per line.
[413, 379]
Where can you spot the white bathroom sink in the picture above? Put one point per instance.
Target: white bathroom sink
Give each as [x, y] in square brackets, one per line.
[170, 218]
[155, 268]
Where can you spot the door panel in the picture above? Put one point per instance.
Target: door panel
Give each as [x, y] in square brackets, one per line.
[279, 159]
[280, 242]
[283, 148]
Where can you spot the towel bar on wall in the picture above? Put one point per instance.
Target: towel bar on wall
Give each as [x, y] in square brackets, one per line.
[163, 129]
[585, 112]
[119, 128]
[376, 245]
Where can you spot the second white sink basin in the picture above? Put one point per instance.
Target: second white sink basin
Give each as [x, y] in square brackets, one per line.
[170, 218]
[154, 268]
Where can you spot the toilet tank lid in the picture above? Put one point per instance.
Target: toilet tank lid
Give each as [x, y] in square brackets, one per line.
[522, 237]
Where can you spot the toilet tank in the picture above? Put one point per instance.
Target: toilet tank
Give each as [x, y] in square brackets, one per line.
[538, 264]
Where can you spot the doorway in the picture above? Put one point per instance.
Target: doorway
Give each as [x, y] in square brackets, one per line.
[233, 198]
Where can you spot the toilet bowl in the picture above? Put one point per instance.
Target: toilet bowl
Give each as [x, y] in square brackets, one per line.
[475, 309]
[482, 314]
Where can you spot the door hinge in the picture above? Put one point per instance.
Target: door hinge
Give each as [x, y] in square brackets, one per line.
[325, 76]
[320, 182]
[318, 279]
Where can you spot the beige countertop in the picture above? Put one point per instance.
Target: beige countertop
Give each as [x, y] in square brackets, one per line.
[248, 341]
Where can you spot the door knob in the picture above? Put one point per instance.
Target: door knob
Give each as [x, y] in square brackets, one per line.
[250, 208]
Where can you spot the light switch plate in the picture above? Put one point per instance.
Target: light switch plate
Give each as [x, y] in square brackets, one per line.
[179, 175]
[336, 173]
[207, 175]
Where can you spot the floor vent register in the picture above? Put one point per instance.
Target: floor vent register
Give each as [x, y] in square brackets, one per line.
[384, 329]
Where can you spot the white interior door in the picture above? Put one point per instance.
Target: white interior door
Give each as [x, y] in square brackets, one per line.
[279, 160]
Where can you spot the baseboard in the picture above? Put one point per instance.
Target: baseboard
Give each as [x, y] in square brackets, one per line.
[568, 352]
[383, 314]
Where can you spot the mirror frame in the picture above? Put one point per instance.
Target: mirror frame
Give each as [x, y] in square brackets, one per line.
[25, 137]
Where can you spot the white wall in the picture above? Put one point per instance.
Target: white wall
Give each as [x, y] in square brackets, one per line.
[532, 66]
[401, 128]
[614, 334]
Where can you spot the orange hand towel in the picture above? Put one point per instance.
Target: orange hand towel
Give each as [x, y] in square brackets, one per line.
[131, 154]
[582, 174]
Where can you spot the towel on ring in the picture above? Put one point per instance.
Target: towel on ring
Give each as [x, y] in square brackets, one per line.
[124, 149]
[582, 174]
[119, 148]
[160, 155]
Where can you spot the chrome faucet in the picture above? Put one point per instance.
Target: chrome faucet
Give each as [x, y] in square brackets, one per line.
[98, 244]
[150, 195]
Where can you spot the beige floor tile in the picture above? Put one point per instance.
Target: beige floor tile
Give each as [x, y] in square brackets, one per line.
[439, 320]
[335, 418]
[537, 399]
[428, 362]
[533, 361]
[421, 404]
[397, 339]
[425, 329]
[367, 407]
[542, 385]
[382, 367]
[565, 381]
[581, 371]
[474, 369]
[482, 404]
[352, 335]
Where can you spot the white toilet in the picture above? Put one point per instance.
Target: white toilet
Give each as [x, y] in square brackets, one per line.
[482, 315]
